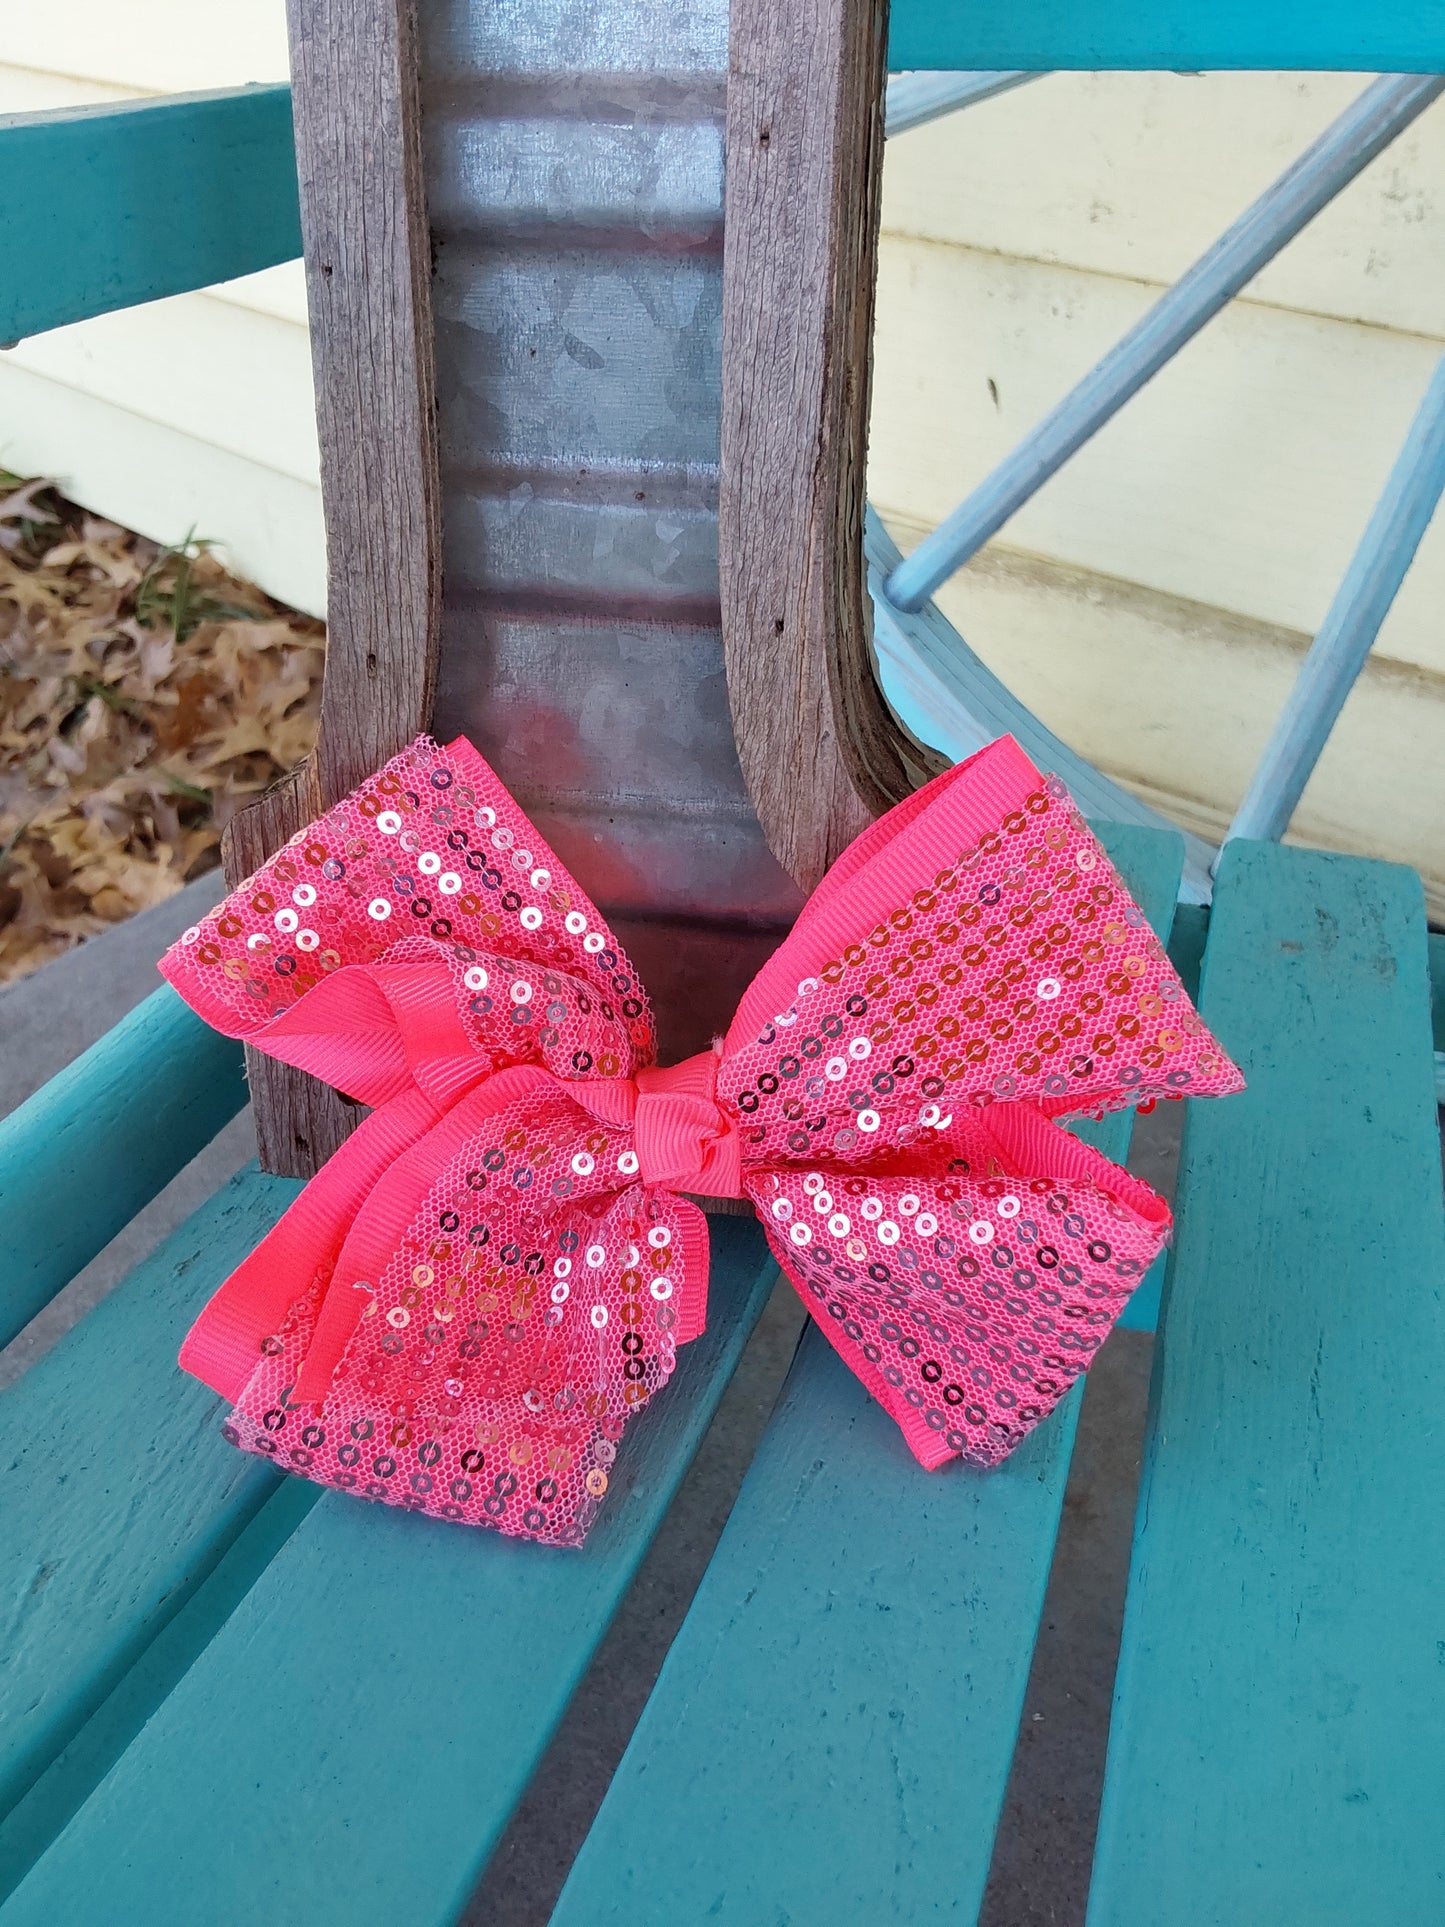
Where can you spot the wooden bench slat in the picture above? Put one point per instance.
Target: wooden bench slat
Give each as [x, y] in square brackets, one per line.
[831, 1735]
[120, 1493]
[30, 1826]
[1186, 953]
[1281, 1686]
[1141, 1314]
[350, 1745]
[90, 1148]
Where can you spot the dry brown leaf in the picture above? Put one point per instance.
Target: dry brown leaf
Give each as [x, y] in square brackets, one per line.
[19, 507]
[144, 695]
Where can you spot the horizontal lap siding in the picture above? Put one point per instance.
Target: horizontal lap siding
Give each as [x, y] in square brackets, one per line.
[193, 414]
[233, 378]
[1241, 477]
[1176, 700]
[151, 46]
[1135, 174]
[1153, 601]
[166, 481]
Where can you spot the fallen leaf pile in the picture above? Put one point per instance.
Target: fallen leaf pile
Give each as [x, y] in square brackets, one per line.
[145, 695]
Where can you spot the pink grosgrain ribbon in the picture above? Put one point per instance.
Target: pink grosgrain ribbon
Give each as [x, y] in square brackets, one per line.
[462, 1310]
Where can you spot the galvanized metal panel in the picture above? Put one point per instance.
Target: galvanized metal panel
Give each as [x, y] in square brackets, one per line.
[574, 175]
[569, 38]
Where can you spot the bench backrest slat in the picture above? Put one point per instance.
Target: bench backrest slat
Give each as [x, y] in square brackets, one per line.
[92, 1147]
[1349, 36]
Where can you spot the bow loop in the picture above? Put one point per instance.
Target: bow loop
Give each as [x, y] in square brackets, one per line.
[462, 1311]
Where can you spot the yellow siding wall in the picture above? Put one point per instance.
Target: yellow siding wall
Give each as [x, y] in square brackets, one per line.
[1151, 604]
[1153, 601]
[189, 414]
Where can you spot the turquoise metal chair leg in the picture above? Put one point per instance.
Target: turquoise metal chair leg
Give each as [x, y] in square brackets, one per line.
[913, 99]
[1348, 631]
[950, 699]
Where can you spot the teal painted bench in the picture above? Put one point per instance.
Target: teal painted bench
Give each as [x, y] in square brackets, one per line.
[226, 1695]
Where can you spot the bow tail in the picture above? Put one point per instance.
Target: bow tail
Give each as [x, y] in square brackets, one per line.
[967, 1305]
[374, 1226]
[517, 1310]
[830, 1314]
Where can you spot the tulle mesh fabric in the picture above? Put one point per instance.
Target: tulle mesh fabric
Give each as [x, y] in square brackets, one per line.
[515, 1283]
[1023, 971]
[501, 1350]
[434, 849]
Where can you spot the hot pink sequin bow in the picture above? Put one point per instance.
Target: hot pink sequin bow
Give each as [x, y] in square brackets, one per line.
[463, 1309]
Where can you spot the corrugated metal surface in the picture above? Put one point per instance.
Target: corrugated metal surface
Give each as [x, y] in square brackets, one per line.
[574, 163]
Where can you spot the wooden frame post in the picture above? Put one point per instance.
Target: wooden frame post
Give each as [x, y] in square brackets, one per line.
[820, 750]
[363, 212]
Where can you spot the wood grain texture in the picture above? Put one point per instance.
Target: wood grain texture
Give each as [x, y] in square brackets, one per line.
[820, 751]
[349, 1747]
[47, 1807]
[831, 1734]
[121, 1494]
[93, 1146]
[1272, 1752]
[368, 278]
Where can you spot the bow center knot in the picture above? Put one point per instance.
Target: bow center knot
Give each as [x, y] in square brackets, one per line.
[684, 1139]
